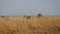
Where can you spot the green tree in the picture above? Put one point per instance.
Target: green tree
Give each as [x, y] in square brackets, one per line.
[39, 15]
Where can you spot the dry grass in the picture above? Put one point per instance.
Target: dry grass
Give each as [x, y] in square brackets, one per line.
[34, 25]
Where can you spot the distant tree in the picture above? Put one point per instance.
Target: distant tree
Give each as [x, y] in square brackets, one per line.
[2, 16]
[39, 15]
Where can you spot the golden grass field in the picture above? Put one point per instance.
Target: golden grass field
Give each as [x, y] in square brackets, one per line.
[34, 25]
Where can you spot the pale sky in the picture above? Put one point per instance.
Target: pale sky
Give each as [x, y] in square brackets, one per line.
[29, 7]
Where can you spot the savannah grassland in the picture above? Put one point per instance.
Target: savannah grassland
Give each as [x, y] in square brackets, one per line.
[34, 25]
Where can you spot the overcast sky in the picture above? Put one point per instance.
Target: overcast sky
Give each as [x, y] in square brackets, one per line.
[29, 7]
